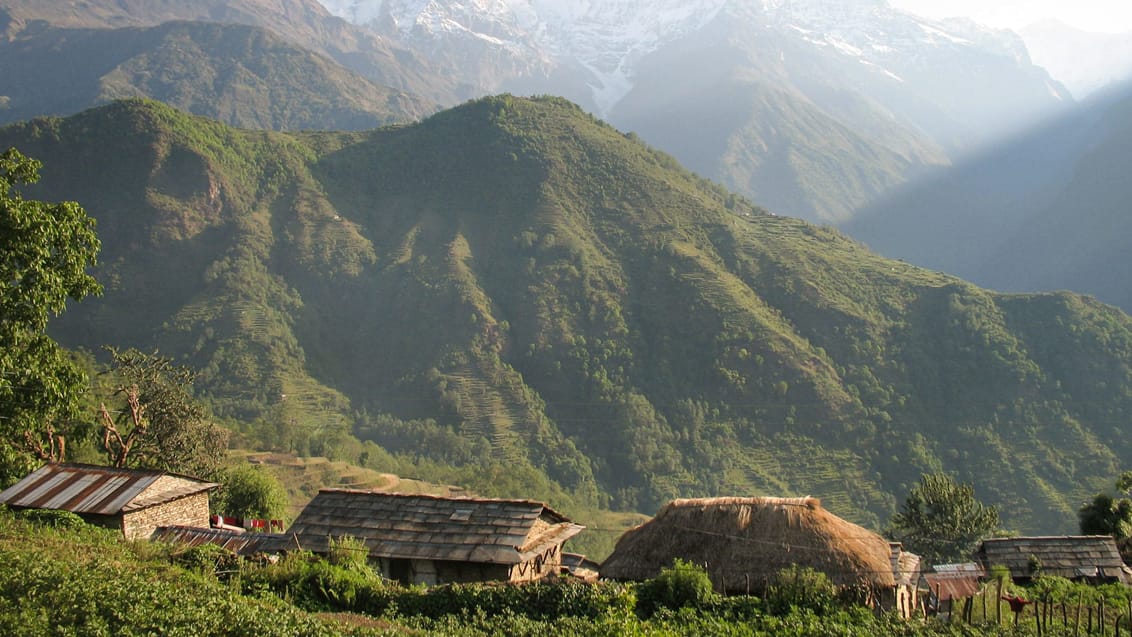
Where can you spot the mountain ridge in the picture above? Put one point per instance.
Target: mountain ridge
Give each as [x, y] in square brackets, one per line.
[1041, 212]
[546, 300]
[241, 74]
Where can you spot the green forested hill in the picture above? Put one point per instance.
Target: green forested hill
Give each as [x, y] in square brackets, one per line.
[516, 286]
[242, 75]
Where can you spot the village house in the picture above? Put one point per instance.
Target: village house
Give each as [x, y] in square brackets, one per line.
[744, 543]
[133, 501]
[1090, 558]
[423, 539]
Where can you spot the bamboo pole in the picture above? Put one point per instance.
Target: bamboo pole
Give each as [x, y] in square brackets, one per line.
[1077, 625]
[1038, 616]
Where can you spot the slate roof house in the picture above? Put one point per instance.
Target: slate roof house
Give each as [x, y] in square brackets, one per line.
[423, 539]
[1093, 558]
[745, 542]
[133, 501]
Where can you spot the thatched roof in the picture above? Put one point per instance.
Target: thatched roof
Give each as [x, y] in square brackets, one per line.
[748, 540]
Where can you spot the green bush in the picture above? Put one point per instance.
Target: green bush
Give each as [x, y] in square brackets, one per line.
[801, 588]
[682, 585]
[208, 559]
[53, 518]
[350, 553]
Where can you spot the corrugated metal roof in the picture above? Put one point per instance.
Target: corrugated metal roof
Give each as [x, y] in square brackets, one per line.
[952, 587]
[236, 541]
[1065, 555]
[96, 490]
[397, 525]
[955, 581]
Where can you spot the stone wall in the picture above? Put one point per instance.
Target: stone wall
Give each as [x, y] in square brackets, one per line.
[190, 510]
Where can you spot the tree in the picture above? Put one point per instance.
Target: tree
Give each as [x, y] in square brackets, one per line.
[251, 492]
[45, 251]
[941, 520]
[158, 424]
[1108, 515]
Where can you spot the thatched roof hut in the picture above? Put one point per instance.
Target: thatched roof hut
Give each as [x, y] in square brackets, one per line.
[747, 541]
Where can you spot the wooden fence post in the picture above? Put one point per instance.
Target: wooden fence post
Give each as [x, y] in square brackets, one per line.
[985, 591]
[998, 603]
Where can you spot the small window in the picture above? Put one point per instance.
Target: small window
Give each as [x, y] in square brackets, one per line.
[461, 515]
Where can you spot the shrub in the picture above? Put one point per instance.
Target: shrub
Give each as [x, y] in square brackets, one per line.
[800, 588]
[251, 492]
[53, 518]
[208, 559]
[350, 553]
[682, 585]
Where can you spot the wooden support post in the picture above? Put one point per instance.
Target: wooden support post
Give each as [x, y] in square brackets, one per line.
[1038, 616]
[998, 602]
[985, 591]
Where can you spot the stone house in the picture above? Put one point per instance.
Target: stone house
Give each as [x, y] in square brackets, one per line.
[134, 501]
[1089, 558]
[424, 539]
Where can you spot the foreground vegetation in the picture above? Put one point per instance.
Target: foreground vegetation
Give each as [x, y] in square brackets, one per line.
[58, 576]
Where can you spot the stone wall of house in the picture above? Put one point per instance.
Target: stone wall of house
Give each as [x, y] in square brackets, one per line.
[549, 562]
[190, 510]
[169, 483]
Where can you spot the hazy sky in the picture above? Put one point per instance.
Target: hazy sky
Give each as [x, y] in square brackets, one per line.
[1107, 16]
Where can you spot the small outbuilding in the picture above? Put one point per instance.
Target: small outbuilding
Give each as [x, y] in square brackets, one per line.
[745, 542]
[131, 500]
[424, 539]
[236, 541]
[1090, 558]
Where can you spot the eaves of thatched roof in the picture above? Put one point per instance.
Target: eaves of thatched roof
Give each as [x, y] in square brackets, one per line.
[747, 541]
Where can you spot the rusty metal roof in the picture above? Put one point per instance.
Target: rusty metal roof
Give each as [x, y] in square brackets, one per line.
[98, 490]
[1071, 556]
[955, 581]
[238, 542]
[397, 525]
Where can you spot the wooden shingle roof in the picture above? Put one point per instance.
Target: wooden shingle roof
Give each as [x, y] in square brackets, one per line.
[428, 527]
[1070, 556]
[99, 490]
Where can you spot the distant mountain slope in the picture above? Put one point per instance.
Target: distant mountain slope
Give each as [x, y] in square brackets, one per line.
[810, 107]
[242, 75]
[515, 286]
[303, 22]
[1084, 61]
[1046, 211]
